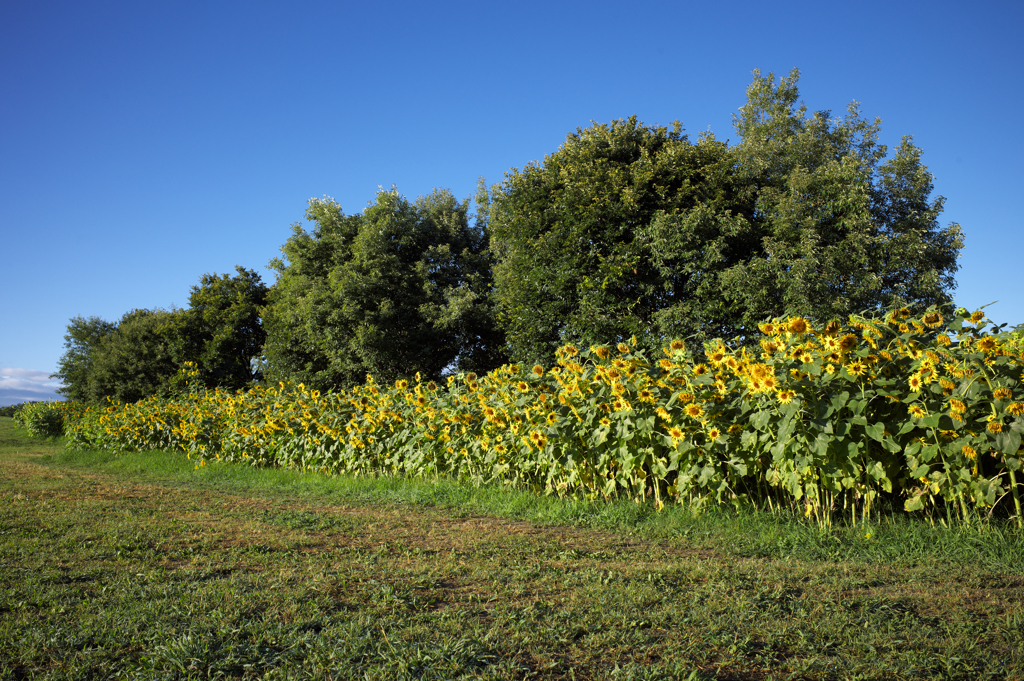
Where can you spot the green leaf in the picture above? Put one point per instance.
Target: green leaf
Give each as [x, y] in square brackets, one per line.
[914, 503]
[1008, 442]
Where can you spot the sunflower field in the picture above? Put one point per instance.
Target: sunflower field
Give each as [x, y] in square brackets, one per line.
[925, 409]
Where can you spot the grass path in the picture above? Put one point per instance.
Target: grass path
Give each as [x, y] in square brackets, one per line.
[142, 567]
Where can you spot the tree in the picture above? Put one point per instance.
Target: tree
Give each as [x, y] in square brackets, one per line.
[221, 330]
[842, 229]
[137, 360]
[577, 259]
[635, 230]
[402, 288]
[81, 347]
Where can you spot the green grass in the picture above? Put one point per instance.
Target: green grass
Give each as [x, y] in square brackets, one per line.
[144, 567]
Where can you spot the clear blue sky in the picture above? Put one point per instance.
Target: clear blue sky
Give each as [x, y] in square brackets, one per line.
[144, 144]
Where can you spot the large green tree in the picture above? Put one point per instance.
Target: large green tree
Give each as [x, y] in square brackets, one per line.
[400, 289]
[576, 258]
[306, 334]
[221, 330]
[82, 344]
[843, 228]
[636, 230]
[138, 359]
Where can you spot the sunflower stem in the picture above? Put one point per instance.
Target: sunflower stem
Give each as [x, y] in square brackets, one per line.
[1016, 499]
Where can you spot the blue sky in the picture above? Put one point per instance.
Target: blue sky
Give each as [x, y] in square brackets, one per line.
[144, 144]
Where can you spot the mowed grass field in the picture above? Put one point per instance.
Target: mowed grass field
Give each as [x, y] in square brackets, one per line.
[145, 567]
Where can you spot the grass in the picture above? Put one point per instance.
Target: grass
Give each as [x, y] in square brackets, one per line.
[143, 567]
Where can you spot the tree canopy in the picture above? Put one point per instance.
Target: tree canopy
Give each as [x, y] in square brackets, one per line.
[402, 288]
[626, 230]
[630, 229]
[140, 355]
[221, 330]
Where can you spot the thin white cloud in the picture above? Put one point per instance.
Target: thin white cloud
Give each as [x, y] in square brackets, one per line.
[27, 380]
[26, 385]
[30, 374]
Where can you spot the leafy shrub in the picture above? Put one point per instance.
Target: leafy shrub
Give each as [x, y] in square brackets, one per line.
[43, 419]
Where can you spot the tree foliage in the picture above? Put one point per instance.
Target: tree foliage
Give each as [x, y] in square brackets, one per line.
[221, 331]
[137, 360]
[81, 348]
[140, 355]
[843, 230]
[577, 260]
[400, 289]
[636, 230]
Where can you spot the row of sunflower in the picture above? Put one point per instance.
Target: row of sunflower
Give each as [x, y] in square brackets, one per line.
[924, 408]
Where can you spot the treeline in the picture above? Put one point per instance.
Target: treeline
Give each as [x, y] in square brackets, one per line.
[627, 230]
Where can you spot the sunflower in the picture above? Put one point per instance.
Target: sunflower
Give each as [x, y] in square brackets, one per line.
[622, 348]
[857, 368]
[943, 339]
[995, 427]
[606, 422]
[969, 452]
[957, 417]
[932, 319]
[1002, 394]
[676, 433]
[798, 325]
[786, 396]
[977, 316]
[832, 328]
[714, 434]
[522, 386]
[767, 328]
[957, 406]
[917, 411]
[915, 383]
[685, 397]
[694, 411]
[601, 351]
[987, 344]
[700, 369]
[537, 370]
[664, 415]
[717, 357]
[847, 342]
[552, 418]
[675, 345]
